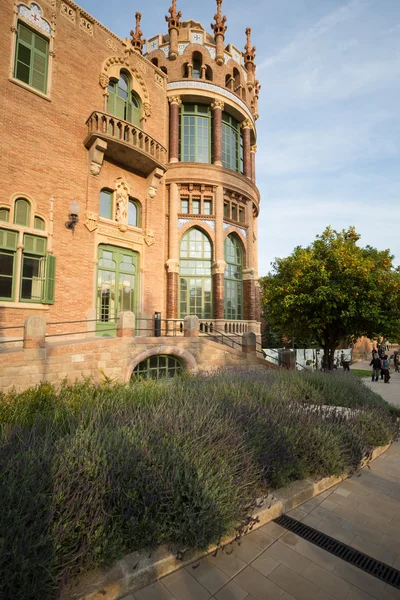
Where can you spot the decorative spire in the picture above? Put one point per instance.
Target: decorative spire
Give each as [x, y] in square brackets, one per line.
[257, 88]
[219, 26]
[250, 52]
[174, 19]
[137, 41]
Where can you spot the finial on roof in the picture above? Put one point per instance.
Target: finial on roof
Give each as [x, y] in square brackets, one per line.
[137, 41]
[250, 52]
[174, 19]
[219, 26]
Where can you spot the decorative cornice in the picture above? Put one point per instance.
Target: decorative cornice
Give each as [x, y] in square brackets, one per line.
[215, 89]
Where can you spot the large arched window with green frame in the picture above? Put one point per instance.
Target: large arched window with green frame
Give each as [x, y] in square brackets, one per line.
[232, 143]
[122, 101]
[195, 283]
[233, 278]
[195, 133]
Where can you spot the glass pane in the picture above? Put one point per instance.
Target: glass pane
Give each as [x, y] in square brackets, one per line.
[196, 207]
[25, 34]
[40, 44]
[4, 214]
[21, 212]
[6, 263]
[38, 223]
[184, 206]
[24, 55]
[132, 214]
[207, 207]
[106, 204]
[127, 292]
[105, 295]
[32, 278]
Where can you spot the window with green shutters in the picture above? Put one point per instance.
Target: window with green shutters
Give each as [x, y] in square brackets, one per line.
[232, 144]
[195, 283]
[31, 58]
[122, 101]
[233, 288]
[195, 133]
[37, 269]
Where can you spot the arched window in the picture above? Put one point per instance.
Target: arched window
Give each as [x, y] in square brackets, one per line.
[133, 213]
[155, 61]
[197, 60]
[232, 143]
[161, 366]
[4, 214]
[122, 101]
[185, 71]
[228, 81]
[106, 204]
[22, 211]
[195, 133]
[236, 79]
[195, 283]
[164, 70]
[209, 73]
[38, 223]
[233, 278]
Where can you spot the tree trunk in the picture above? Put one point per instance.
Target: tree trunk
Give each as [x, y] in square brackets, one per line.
[329, 353]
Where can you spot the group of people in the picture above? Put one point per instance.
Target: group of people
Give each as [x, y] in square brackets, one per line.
[381, 365]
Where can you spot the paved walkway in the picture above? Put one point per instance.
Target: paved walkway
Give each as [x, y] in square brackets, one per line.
[390, 391]
[274, 564]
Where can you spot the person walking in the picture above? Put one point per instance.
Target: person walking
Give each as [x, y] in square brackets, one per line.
[385, 366]
[396, 361]
[376, 367]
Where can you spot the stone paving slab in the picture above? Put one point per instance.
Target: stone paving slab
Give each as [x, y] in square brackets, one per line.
[274, 564]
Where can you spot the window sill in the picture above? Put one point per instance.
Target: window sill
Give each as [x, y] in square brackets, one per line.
[27, 87]
[30, 305]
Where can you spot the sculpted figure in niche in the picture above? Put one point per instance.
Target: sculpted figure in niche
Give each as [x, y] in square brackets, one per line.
[121, 213]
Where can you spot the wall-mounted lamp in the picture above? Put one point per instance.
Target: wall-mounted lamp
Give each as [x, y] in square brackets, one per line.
[73, 213]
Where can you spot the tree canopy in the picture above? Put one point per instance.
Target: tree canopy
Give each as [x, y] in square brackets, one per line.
[333, 290]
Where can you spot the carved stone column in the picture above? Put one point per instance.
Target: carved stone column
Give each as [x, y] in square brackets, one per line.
[174, 105]
[217, 107]
[173, 254]
[218, 272]
[253, 151]
[219, 265]
[246, 126]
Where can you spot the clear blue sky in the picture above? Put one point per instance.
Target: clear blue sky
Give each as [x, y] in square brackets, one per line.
[329, 128]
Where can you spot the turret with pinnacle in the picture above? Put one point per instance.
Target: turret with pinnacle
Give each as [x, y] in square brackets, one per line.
[174, 25]
[219, 29]
[137, 42]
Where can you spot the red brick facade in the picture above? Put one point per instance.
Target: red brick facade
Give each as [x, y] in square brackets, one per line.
[64, 144]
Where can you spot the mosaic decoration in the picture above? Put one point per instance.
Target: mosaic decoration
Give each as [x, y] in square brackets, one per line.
[211, 224]
[197, 38]
[182, 48]
[165, 49]
[202, 85]
[227, 57]
[182, 222]
[211, 51]
[153, 45]
[34, 15]
[242, 231]
[236, 56]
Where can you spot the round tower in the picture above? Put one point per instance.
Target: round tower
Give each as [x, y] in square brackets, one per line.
[213, 197]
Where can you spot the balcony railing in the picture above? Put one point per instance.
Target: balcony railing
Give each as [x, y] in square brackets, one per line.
[127, 144]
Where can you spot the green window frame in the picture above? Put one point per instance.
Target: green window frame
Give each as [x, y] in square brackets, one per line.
[232, 144]
[37, 279]
[159, 366]
[233, 278]
[195, 133]
[122, 101]
[106, 204]
[195, 282]
[22, 212]
[31, 58]
[4, 215]
[134, 213]
[207, 207]
[38, 223]
[116, 287]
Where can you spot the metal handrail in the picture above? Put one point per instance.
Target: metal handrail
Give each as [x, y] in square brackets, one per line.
[265, 354]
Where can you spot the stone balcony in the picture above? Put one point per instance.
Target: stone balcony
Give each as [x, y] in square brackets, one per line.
[123, 143]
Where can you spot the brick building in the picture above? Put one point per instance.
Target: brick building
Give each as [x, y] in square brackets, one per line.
[147, 157]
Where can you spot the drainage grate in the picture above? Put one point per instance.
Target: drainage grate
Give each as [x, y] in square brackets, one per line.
[372, 566]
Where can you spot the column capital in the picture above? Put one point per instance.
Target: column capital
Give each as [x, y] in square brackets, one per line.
[172, 265]
[175, 100]
[246, 124]
[218, 266]
[218, 104]
[249, 274]
[253, 148]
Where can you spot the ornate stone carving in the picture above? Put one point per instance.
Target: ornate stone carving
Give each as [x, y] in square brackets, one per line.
[68, 11]
[253, 148]
[149, 239]
[247, 124]
[219, 26]
[173, 265]
[34, 15]
[158, 79]
[147, 109]
[86, 25]
[104, 80]
[125, 61]
[122, 190]
[218, 104]
[137, 42]
[96, 156]
[92, 221]
[218, 267]
[175, 100]
[153, 182]
[111, 44]
[250, 52]
[114, 233]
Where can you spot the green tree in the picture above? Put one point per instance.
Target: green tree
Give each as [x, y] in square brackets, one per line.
[333, 290]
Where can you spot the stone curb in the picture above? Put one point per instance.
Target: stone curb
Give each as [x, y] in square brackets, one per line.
[139, 569]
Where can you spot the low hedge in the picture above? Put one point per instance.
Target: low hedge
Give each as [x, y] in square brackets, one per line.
[90, 472]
